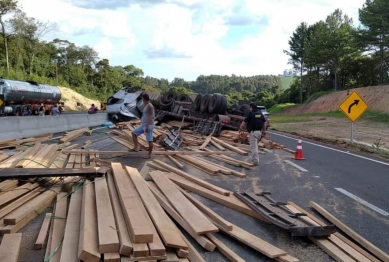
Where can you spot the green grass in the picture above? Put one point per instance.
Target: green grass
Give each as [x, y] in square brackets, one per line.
[286, 81]
[279, 108]
[368, 115]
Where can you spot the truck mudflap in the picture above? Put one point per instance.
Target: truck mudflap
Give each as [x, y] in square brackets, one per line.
[276, 213]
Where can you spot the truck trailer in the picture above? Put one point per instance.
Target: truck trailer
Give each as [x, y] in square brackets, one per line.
[16, 96]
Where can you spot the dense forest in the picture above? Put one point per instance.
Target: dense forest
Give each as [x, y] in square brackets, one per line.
[329, 55]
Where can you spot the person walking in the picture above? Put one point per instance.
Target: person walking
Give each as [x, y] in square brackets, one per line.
[146, 127]
[255, 124]
[41, 110]
[55, 111]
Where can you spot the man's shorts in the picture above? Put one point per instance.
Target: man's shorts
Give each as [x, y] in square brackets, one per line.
[141, 130]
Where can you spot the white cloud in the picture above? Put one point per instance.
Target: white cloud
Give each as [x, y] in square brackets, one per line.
[184, 38]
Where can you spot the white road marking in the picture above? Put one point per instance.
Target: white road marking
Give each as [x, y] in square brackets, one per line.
[337, 150]
[296, 166]
[363, 202]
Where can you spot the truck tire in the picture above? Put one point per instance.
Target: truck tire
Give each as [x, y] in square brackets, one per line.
[245, 109]
[183, 98]
[197, 103]
[223, 106]
[215, 102]
[170, 96]
[204, 103]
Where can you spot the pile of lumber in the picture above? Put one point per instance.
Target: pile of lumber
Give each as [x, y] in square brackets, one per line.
[345, 246]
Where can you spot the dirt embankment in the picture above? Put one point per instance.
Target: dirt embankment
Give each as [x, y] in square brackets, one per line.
[75, 101]
[376, 97]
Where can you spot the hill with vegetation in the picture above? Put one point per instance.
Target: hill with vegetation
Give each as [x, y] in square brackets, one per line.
[333, 55]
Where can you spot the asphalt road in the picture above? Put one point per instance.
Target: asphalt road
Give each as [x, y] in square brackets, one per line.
[327, 169]
[339, 172]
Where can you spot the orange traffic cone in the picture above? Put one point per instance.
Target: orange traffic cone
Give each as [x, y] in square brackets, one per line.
[299, 151]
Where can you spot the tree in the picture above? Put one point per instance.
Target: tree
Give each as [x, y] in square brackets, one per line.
[6, 7]
[297, 46]
[30, 31]
[374, 32]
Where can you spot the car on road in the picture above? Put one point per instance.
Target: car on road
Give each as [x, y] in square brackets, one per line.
[266, 114]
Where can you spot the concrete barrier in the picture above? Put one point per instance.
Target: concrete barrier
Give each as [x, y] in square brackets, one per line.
[21, 127]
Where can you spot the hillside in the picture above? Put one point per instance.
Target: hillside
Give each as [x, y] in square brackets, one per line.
[286, 81]
[71, 98]
[376, 97]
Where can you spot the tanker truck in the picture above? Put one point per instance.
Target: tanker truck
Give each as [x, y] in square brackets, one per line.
[18, 95]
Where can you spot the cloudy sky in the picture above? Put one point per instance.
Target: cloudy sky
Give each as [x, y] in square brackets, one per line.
[186, 38]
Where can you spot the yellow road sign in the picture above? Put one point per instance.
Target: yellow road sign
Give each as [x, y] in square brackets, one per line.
[353, 106]
[1, 102]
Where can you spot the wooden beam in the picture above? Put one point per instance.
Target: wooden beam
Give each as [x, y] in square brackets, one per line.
[143, 153]
[88, 246]
[43, 232]
[58, 226]
[72, 230]
[25, 173]
[193, 179]
[10, 247]
[226, 251]
[184, 207]
[124, 237]
[168, 232]
[351, 233]
[164, 202]
[108, 237]
[139, 222]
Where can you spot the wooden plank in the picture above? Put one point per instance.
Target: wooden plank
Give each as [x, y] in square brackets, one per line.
[88, 246]
[143, 153]
[295, 208]
[228, 201]
[17, 192]
[175, 161]
[333, 238]
[138, 221]
[29, 155]
[207, 211]
[254, 242]
[124, 238]
[204, 242]
[230, 147]
[25, 173]
[10, 247]
[351, 233]
[58, 226]
[39, 209]
[184, 207]
[206, 142]
[43, 232]
[108, 237]
[20, 201]
[72, 230]
[226, 251]
[193, 178]
[170, 256]
[111, 257]
[193, 255]
[168, 232]
[24, 210]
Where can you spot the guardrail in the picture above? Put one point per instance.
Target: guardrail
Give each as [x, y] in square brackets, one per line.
[20, 127]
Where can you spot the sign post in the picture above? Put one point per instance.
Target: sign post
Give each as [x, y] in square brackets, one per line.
[2, 103]
[353, 107]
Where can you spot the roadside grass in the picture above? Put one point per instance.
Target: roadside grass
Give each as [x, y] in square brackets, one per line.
[368, 115]
[279, 108]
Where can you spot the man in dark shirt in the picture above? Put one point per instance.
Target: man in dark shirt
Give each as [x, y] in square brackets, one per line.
[255, 123]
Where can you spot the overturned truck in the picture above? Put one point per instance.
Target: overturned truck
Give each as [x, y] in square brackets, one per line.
[209, 113]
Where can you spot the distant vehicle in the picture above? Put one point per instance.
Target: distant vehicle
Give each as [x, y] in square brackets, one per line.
[19, 97]
[266, 114]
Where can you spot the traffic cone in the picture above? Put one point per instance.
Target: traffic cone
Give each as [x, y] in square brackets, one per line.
[298, 155]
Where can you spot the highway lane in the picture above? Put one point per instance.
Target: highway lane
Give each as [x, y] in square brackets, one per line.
[355, 185]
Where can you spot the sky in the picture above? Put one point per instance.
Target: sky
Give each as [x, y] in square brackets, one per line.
[186, 38]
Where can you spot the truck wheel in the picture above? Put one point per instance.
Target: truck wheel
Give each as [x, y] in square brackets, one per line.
[245, 109]
[204, 103]
[183, 98]
[170, 96]
[197, 103]
[223, 106]
[215, 102]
